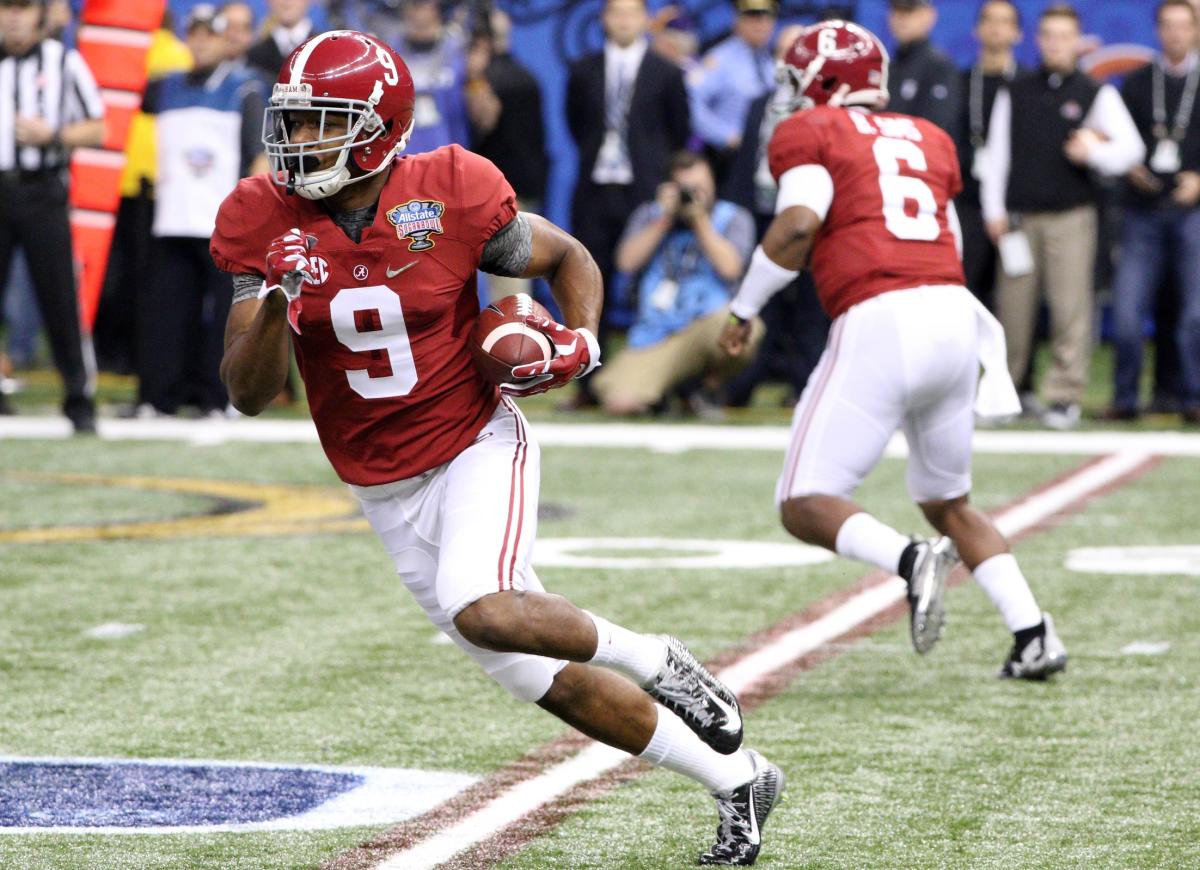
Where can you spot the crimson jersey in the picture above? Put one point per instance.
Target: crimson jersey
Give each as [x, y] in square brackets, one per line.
[382, 341]
[887, 228]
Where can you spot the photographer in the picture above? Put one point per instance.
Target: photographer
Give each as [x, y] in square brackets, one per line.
[690, 249]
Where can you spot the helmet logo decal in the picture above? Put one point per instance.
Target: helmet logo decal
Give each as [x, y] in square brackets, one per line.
[827, 42]
[417, 220]
[391, 75]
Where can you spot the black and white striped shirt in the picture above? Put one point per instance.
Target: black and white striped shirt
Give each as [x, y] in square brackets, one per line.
[51, 82]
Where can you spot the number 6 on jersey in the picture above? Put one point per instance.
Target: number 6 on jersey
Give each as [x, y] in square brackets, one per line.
[898, 189]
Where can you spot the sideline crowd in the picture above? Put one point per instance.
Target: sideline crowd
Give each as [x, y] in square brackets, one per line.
[672, 192]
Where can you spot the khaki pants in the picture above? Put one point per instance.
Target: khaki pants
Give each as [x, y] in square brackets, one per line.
[638, 378]
[1064, 256]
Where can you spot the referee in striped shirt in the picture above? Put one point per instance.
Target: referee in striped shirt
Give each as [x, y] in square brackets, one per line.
[49, 103]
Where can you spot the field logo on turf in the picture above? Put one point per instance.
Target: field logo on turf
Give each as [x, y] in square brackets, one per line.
[128, 796]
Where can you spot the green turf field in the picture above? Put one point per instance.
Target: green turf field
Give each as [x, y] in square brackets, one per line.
[305, 648]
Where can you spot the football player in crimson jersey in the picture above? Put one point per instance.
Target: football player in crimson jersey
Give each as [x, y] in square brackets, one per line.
[365, 262]
[868, 195]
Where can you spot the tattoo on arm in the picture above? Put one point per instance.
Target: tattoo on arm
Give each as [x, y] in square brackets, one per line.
[509, 251]
[245, 286]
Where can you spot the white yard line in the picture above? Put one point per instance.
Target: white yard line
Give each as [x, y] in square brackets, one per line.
[114, 630]
[644, 436]
[597, 760]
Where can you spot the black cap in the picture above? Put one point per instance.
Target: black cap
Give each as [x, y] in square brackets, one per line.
[756, 7]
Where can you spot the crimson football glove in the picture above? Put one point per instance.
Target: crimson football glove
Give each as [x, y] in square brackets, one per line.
[576, 352]
[288, 266]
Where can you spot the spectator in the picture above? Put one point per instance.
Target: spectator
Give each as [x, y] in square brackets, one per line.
[922, 81]
[124, 295]
[997, 30]
[1162, 217]
[290, 25]
[209, 124]
[509, 132]
[437, 60]
[49, 103]
[1047, 131]
[796, 325]
[734, 73]
[675, 38]
[690, 249]
[239, 30]
[627, 110]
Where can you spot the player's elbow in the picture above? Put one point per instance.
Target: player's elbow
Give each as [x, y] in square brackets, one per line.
[245, 407]
[797, 224]
[244, 397]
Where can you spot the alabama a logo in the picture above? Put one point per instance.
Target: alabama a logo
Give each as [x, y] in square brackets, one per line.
[417, 220]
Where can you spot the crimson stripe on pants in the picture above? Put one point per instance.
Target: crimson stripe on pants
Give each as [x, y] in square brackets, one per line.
[512, 498]
[524, 442]
[793, 459]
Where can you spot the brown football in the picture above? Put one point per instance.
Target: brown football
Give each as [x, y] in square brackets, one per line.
[501, 339]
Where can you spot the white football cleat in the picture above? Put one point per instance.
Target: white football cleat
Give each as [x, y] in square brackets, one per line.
[927, 590]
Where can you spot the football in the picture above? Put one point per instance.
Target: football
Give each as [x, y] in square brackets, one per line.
[501, 340]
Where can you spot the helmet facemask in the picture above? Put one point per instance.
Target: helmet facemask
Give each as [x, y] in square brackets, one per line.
[294, 164]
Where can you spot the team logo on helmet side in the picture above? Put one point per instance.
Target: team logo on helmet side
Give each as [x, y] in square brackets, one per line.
[417, 220]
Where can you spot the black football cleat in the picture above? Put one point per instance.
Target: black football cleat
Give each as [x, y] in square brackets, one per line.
[927, 590]
[1042, 656]
[687, 689]
[743, 813]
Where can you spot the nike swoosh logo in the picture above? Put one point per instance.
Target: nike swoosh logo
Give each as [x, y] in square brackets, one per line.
[733, 721]
[392, 273]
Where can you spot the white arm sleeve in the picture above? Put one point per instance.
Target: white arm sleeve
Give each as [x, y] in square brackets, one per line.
[955, 228]
[763, 280]
[997, 156]
[810, 185]
[1124, 148]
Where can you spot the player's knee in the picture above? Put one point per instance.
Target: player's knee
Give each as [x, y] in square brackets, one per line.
[529, 679]
[944, 513]
[798, 516]
[489, 622]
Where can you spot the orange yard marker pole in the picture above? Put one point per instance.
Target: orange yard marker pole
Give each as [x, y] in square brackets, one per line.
[114, 38]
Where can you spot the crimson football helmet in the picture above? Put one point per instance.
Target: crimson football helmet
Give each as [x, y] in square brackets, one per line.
[341, 77]
[835, 63]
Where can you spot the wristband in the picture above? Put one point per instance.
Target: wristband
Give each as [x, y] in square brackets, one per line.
[764, 278]
[593, 347]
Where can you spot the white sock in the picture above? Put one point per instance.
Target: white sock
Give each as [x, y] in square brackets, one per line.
[1002, 580]
[864, 538]
[637, 656]
[676, 747]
